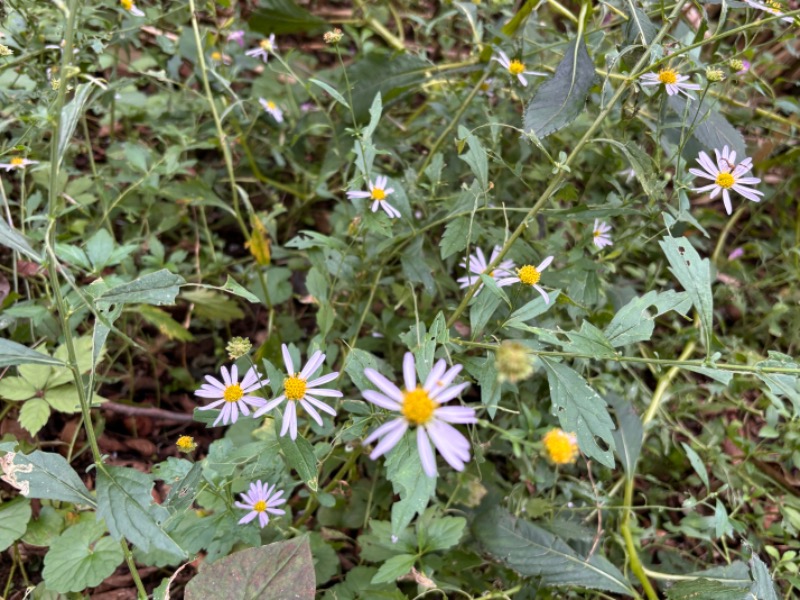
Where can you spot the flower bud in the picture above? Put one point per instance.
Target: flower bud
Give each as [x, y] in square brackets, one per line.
[5, 50]
[714, 75]
[513, 362]
[736, 65]
[333, 37]
[238, 347]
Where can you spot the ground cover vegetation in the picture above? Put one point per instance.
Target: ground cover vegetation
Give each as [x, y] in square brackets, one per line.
[399, 299]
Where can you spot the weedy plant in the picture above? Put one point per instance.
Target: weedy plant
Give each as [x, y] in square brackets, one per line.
[399, 299]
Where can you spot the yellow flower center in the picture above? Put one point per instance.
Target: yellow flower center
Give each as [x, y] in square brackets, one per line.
[294, 387]
[418, 407]
[667, 76]
[266, 45]
[529, 275]
[233, 393]
[260, 506]
[186, 443]
[597, 233]
[126, 4]
[17, 161]
[774, 4]
[271, 105]
[725, 180]
[216, 56]
[516, 67]
[378, 194]
[561, 447]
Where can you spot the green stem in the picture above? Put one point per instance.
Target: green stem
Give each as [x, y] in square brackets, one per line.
[312, 503]
[633, 554]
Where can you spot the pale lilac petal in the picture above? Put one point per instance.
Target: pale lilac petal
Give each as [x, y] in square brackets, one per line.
[287, 360]
[215, 382]
[201, 393]
[543, 293]
[456, 414]
[312, 412]
[435, 375]
[248, 517]
[234, 374]
[409, 373]
[322, 380]
[321, 405]
[544, 264]
[390, 439]
[386, 386]
[385, 429]
[325, 392]
[212, 405]
[313, 364]
[426, 453]
[381, 400]
[443, 440]
[225, 376]
[358, 194]
[439, 386]
[450, 393]
[726, 200]
[269, 406]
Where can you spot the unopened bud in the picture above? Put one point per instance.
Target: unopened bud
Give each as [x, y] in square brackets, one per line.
[714, 75]
[513, 362]
[333, 37]
[238, 347]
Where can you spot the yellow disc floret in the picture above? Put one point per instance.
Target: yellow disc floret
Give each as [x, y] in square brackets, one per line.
[418, 407]
[126, 4]
[378, 194]
[667, 76]
[529, 275]
[266, 45]
[260, 506]
[186, 443]
[725, 180]
[233, 393]
[17, 161]
[294, 387]
[561, 447]
[516, 67]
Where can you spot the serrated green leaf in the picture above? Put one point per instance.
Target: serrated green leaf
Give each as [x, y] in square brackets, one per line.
[642, 165]
[49, 476]
[475, 157]
[694, 275]
[64, 398]
[455, 238]
[274, 572]
[16, 388]
[442, 533]
[580, 410]
[530, 310]
[639, 30]
[404, 470]
[697, 464]
[12, 353]
[635, 322]
[99, 248]
[14, 517]
[763, 587]
[156, 288]
[533, 551]
[415, 267]
[706, 589]
[589, 340]
[33, 415]
[299, 455]
[45, 528]
[781, 384]
[482, 309]
[125, 501]
[560, 99]
[395, 567]
[162, 320]
[80, 558]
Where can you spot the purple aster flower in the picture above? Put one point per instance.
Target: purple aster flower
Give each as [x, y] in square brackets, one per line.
[260, 500]
[232, 394]
[478, 266]
[236, 36]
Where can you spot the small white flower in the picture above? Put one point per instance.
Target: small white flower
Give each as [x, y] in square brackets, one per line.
[421, 407]
[378, 193]
[265, 47]
[232, 394]
[773, 7]
[17, 163]
[297, 388]
[672, 80]
[478, 266]
[515, 67]
[530, 275]
[600, 234]
[272, 109]
[260, 500]
[131, 8]
[726, 175]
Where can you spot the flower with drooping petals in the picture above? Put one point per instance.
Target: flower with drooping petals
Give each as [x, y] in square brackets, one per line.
[478, 265]
[298, 388]
[530, 275]
[131, 8]
[515, 67]
[17, 163]
[234, 396]
[727, 175]
[561, 447]
[260, 500]
[421, 407]
[672, 81]
[600, 234]
[236, 36]
[265, 47]
[272, 109]
[377, 193]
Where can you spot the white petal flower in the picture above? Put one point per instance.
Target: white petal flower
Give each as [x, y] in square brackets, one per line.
[600, 234]
[17, 163]
[234, 396]
[478, 266]
[298, 389]
[529, 275]
[515, 67]
[272, 109]
[773, 7]
[265, 47]
[673, 82]
[726, 175]
[421, 407]
[260, 500]
[378, 193]
[131, 8]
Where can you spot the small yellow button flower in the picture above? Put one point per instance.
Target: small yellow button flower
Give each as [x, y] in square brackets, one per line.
[186, 444]
[561, 447]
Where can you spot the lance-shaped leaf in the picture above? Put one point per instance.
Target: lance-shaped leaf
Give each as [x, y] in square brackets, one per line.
[16, 241]
[559, 100]
[46, 475]
[12, 353]
[712, 130]
[160, 287]
[533, 551]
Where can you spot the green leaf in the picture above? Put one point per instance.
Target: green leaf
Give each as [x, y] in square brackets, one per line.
[14, 517]
[99, 248]
[533, 551]
[706, 589]
[234, 288]
[639, 30]
[49, 476]
[780, 384]
[16, 388]
[395, 567]
[11, 238]
[530, 310]
[300, 456]
[455, 238]
[157, 288]
[331, 90]
[642, 165]
[475, 157]
[274, 572]
[125, 501]
[357, 360]
[635, 322]
[80, 558]
[165, 324]
[415, 267]
[358, 586]
[69, 117]
[283, 16]
[212, 305]
[712, 130]
[559, 100]
[64, 398]
[45, 528]
[589, 340]
[482, 309]
[391, 76]
[763, 587]
[580, 410]
[628, 436]
[697, 464]
[404, 470]
[12, 353]
[694, 275]
[34, 414]
[442, 533]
